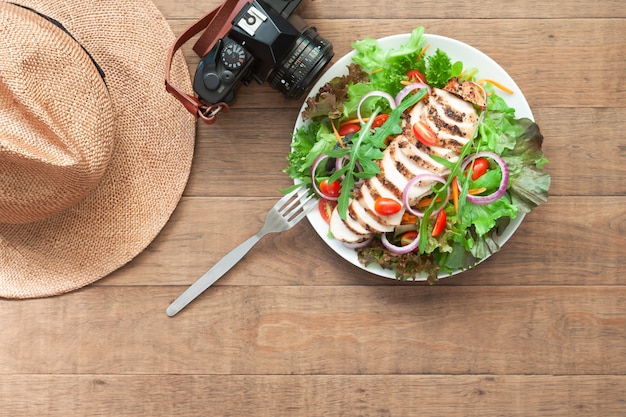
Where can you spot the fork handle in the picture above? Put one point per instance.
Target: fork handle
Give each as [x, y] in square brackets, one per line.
[212, 275]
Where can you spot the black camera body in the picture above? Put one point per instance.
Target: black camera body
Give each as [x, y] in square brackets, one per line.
[266, 42]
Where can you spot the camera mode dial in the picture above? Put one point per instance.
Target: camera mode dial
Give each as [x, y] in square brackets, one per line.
[233, 56]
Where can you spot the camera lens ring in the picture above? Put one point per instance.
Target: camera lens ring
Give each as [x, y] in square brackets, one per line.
[302, 65]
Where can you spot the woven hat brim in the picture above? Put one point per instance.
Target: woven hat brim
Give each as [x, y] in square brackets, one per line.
[154, 143]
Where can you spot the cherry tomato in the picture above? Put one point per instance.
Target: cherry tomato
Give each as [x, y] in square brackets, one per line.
[424, 134]
[348, 128]
[379, 120]
[326, 208]
[387, 206]
[440, 223]
[481, 165]
[408, 237]
[332, 189]
[416, 77]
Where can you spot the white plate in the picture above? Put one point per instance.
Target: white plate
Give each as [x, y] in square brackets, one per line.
[457, 51]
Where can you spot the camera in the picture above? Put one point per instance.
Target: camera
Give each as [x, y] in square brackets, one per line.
[267, 42]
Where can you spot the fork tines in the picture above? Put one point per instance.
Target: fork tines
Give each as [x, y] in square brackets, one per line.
[293, 207]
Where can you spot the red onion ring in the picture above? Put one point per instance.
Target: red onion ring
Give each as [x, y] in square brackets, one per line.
[400, 250]
[316, 163]
[412, 182]
[358, 245]
[406, 90]
[481, 200]
[339, 162]
[387, 96]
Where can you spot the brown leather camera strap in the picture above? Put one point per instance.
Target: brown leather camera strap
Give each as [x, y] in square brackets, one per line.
[216, 25]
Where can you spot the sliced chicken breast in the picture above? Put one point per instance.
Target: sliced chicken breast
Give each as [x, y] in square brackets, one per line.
[468, 91]
[342, 232]
[367, 199]
[365, 218]
[453, 121]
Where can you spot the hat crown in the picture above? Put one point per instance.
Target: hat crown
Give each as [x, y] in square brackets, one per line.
[56, 119]
[119, 151]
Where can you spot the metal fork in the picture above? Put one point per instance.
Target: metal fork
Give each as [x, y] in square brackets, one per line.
[288, 211]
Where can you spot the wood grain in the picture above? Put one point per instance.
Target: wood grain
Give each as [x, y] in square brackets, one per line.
[539, 329]
[316, 396]
[490, 10]
[322, 330]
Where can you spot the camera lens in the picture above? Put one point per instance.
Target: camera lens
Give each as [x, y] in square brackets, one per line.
[302, 65]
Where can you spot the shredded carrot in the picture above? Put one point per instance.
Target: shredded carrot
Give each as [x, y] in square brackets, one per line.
[455, 195]
[469, 75]
[426, 202]
[474, 191]
[337, 135]
[405, 82]
[408, 218]
[495, 83]
[423, 51]
[365, 119]
[376, 70]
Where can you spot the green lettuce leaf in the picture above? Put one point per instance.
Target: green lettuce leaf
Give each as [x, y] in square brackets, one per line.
[388, 67]
[308, 143]
[528, 182]
[482, 218]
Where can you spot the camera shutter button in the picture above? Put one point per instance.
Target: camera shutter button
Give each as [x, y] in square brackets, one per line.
[211, 80]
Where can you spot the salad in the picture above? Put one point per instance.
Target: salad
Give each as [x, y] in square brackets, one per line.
[469, 196]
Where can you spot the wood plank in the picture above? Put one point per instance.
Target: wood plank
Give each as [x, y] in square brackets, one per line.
[569, 241]
[286, 395]
[407, 9]
[585, 148]
[320, 330]
[545, 70]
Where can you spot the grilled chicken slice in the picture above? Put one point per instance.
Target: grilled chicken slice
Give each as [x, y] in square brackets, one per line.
[415, 158]
[342, 232]
[366, 217]
[367, 196]
[467, 90]
[453, 120]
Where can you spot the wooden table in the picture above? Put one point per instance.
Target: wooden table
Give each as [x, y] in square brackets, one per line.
[539, 329]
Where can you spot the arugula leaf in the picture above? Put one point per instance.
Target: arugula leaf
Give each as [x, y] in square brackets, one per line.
[358, 151]
[366, 148]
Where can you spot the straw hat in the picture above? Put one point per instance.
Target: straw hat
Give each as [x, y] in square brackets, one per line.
[94, 153]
